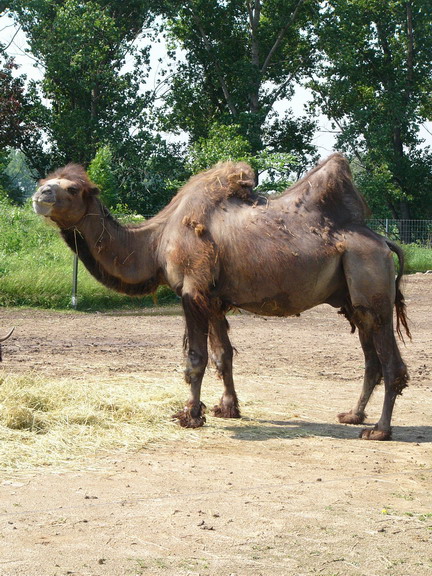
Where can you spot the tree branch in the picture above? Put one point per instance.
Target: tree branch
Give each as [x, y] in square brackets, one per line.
[281, 88]
[410, 51]
[254, 19]
[280, 37]
[208, 47]
[338, 123]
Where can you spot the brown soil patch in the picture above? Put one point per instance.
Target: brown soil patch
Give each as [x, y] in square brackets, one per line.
[290, 492]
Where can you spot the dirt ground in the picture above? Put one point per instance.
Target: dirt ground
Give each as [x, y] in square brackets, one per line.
[297, 495]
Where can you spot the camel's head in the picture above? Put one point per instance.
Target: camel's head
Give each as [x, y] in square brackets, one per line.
[64, 196]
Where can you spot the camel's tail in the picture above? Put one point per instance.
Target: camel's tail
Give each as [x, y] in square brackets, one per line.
[401, 315]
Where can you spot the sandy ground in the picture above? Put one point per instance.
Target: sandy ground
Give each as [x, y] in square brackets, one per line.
[297, 495]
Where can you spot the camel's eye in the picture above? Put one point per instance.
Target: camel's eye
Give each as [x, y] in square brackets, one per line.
[73, 190]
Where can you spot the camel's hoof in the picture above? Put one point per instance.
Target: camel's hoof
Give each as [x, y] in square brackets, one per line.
[375, 434]
[221, 411]
[188, 420]
[351, 418]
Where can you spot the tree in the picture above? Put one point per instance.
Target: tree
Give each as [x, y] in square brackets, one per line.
[101, 172]
[374, 82]
[19, 129]
[141, 175]
[18, 124]
[11, 104]
[97, 113]
[83, 47]
[238, 60]
[226, 143]
[21, 177]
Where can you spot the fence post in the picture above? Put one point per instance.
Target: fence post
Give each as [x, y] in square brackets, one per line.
[74, 301]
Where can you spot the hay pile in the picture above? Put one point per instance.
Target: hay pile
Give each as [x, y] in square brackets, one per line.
[45, 423]
[78, 423]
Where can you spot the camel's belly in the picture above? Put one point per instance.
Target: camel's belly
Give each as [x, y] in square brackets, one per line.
[287, 291]
[278, 305]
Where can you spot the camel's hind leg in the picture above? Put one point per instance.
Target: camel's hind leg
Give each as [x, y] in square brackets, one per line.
[370, 276]
[372, 376]
[395, 380]
[192, 416]
[222, 356]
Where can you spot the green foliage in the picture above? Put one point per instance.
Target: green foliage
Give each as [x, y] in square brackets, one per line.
[274, 169]
[4, 181]
[417, 258]
[223, 143]
[101, 173]
[295, 135]
[229, 65]
[237, 60]
[83, 48]
[149, 172]
[378, 188]
[19, 125]
[227, 143]
[374, 82]
[21, 182]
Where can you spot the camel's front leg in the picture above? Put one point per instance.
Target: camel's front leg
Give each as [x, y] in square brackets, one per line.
[222, 356]
[192, 415]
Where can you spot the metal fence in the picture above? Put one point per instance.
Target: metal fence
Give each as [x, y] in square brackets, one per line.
[405, 231]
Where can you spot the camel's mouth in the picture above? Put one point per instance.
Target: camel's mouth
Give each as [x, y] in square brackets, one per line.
[42, 207]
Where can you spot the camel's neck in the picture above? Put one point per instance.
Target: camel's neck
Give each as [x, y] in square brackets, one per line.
[122, 258]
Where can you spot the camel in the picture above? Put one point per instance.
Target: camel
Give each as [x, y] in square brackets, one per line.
[222, 247]
[3, 339]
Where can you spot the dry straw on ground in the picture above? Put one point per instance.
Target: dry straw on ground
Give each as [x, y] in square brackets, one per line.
[65, 422]
[51, 423]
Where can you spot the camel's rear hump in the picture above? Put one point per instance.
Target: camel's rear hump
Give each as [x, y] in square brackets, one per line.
[329, 188]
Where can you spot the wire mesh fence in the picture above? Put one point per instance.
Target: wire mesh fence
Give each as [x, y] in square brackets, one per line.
[405, 231]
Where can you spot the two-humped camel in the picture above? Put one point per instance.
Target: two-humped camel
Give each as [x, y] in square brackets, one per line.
[221, 247]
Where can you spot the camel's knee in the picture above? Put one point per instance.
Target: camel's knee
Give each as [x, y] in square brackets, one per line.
[370, 319]
[196, 364]
[222, 364]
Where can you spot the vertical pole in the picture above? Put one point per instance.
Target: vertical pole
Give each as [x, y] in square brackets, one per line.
[75, 282]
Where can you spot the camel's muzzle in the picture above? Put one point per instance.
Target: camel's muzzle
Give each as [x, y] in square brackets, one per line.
[43, 200]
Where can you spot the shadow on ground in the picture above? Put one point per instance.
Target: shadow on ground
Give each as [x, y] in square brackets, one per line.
[258, 430]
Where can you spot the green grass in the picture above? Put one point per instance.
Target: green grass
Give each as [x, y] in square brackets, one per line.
[418, 258]
[36, 267]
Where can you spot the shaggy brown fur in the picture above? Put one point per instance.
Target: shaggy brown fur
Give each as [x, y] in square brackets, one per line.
[76, 175]
[219, 246]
